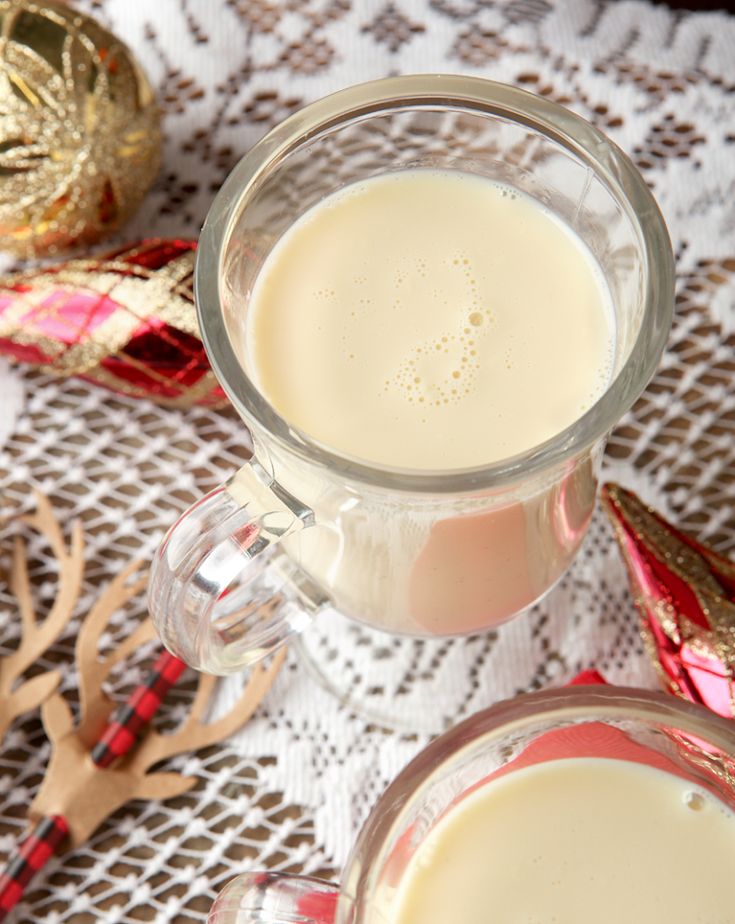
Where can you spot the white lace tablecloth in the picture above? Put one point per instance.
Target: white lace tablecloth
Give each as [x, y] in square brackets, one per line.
[290, 791]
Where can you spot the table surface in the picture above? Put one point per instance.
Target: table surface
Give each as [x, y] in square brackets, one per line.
[290, 790]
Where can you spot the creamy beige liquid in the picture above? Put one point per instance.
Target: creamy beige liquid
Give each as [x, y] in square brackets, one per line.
[430, 320]
[575, 841]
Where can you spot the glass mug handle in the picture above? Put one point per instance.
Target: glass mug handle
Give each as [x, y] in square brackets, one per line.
[275, 898]
[223, 594]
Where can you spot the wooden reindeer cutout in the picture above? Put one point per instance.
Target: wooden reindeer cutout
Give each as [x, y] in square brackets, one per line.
[37, 636]
[74, 786]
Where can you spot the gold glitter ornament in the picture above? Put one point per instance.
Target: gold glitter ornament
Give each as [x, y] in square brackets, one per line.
[79, 129]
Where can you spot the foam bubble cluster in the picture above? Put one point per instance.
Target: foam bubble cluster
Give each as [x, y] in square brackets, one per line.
[442, 371]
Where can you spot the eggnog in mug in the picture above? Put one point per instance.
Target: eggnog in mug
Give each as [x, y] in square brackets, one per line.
[432, 320]
[573, 841]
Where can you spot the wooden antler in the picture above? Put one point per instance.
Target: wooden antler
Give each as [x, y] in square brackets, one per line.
[95, 705]
[74, 786]
[37, 636]
[85, 795]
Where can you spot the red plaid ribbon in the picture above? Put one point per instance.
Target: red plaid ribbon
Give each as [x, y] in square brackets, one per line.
[34, 853]
[125, 726]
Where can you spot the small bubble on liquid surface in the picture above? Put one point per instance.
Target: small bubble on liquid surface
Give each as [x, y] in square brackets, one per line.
[476, 318]
[695, 801]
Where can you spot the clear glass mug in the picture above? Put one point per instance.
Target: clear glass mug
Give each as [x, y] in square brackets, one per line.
[585, 721]
[426, 553]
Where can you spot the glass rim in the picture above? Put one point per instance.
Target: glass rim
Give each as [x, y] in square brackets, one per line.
[596, 702]
[589, 145]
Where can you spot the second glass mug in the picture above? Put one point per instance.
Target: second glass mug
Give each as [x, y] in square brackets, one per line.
[425, 553]
[614, 723]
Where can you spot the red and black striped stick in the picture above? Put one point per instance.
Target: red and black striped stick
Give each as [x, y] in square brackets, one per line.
[33, 853]
[125, 726]
[120, 735]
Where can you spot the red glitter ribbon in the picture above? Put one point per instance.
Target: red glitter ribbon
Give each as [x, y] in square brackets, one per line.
[124, 320]
[685, 594]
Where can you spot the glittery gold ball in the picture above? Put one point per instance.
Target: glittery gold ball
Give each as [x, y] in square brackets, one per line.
[79, 129]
